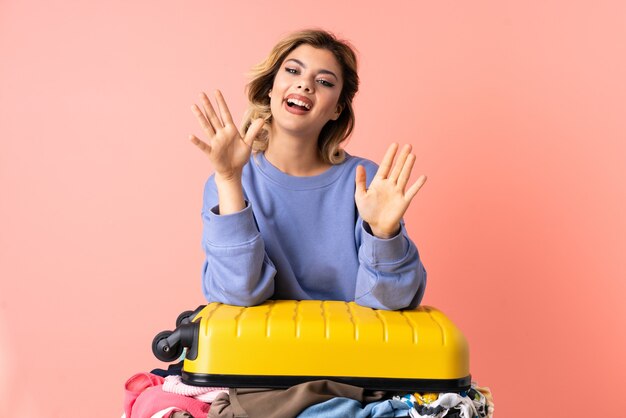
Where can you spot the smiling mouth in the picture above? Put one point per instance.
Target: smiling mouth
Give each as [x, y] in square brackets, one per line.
[298, 104]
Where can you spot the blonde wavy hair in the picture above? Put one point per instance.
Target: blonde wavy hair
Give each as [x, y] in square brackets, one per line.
[262, 78]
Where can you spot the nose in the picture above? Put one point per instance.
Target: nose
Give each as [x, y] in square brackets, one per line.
[304, 85]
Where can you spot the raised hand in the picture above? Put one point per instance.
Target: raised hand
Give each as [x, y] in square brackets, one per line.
[227, 150]
[384, 203]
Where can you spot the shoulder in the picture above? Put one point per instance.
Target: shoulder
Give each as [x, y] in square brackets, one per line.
[352, 161]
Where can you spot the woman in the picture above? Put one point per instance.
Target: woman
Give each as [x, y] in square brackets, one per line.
[287, 213]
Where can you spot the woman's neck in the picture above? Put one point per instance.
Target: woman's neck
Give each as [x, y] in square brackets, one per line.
[294, 155]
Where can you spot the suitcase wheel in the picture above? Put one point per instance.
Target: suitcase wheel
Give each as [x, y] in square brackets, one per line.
[162, 349]
[184, 317]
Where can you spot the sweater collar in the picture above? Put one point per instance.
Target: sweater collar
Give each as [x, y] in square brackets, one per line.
[298, 182]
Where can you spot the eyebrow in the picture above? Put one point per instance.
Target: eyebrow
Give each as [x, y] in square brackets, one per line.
[322, 71]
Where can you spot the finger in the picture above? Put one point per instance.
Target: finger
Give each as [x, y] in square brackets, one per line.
[223, 108]
[385, 165]
[407, 167]
[399, 164]
[410, 194]
[200, 144]
[360, 179]
[204, 123]
[210, 112]
[253, 130]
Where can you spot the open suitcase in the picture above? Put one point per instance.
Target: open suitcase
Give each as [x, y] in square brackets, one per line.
[283, 343]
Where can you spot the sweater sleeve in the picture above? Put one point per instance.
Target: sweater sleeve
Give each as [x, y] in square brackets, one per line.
[236, 271]
[390, 275]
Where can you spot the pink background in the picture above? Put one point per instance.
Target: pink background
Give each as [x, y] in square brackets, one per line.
[515, 110]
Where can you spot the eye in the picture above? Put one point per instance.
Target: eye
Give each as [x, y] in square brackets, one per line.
[325, 83]
[291, 70]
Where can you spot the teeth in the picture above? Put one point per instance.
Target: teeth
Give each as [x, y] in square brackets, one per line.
[299, 103]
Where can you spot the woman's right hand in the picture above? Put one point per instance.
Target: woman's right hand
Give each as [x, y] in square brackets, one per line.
[227, 150]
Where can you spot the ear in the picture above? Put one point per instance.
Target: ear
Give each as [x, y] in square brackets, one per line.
[337, 112]
[270, 93]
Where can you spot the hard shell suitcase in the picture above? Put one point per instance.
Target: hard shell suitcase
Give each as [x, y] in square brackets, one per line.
[283, 343]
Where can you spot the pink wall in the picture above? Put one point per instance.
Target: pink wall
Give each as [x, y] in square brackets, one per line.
[516, 112]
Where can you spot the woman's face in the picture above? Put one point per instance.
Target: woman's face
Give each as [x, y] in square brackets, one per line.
[306, 91]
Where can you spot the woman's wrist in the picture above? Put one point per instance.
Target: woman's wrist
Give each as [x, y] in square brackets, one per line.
[225, 178]
[384, 233]
[230, 194]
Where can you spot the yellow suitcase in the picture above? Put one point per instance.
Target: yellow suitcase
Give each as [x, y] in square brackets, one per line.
[283, 343]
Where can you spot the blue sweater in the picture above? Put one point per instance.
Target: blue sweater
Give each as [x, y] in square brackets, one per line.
[302, 238]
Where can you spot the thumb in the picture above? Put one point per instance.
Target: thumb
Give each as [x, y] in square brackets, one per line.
[253, 130]
[360, 179]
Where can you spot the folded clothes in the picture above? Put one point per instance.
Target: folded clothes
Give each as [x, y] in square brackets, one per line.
[174, 384]
[344, 407]
[147, 394]
[281, 403]
[144, 397]
[154, 399]
[476, 402]
[135, 385]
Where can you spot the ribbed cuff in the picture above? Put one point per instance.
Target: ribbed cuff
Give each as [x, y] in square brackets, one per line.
[232, 229]
[383, 251]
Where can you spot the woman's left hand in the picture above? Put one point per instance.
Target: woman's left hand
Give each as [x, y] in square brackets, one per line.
[384, 203]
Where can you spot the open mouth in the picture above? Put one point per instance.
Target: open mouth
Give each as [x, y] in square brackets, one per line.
[298, 104]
